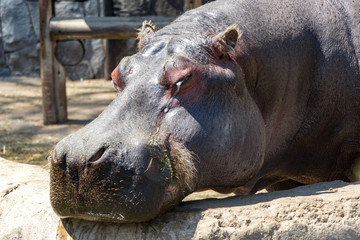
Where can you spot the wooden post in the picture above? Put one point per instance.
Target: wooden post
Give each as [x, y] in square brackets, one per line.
[52, 73]
[197, 3]
[191, 4]
[109, 55]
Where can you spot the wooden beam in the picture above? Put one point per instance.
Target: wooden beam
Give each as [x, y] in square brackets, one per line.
[196, 3]
[107, 43]
[191, 4]
[52, 73]
[104, 27]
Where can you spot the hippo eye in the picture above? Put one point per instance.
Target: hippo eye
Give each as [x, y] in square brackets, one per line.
[185, 79]
[181, 83]
[178, 87]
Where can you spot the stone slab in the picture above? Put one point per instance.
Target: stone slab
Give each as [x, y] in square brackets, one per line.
[319, 211]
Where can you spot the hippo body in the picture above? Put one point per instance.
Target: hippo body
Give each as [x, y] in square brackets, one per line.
[234, 96]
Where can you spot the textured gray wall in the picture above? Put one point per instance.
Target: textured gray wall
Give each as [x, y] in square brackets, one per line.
[19, 38]
[19, 34]
[20, 44]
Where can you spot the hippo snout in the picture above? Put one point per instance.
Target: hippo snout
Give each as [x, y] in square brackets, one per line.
[75, 168]
[121, 182]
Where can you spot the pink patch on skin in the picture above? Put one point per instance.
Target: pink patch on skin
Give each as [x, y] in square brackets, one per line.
[116, 79]
[174, 74]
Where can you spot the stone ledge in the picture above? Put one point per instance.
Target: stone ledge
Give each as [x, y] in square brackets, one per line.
[320, 211]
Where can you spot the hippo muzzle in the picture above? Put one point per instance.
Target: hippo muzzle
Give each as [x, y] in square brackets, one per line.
[94, 187]
[129, 183]
[113, 170]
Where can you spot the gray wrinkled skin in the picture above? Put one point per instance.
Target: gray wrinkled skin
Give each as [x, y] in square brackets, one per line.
[270, 102]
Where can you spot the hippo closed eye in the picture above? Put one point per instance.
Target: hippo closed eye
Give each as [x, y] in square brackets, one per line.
[234, 96]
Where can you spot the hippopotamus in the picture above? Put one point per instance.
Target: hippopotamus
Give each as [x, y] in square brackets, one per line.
[234, 96]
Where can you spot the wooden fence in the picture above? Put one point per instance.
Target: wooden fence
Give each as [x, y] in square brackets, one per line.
[53, 29]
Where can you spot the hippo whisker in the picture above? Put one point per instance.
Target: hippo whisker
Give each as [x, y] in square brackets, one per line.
[184, 163]
[180, 160]
[148, 167]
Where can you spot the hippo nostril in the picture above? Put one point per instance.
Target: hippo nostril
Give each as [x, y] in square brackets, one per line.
[97, 155]
[59, 161]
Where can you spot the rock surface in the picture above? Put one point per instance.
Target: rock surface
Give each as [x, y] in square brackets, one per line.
[4, 70]
[320, 211]
[16, 24]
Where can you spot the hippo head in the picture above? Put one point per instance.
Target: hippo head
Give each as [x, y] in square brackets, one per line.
[183, 121]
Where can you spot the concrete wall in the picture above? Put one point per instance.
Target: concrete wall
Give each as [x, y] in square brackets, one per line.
[19, 38]
[19, 34]
[20, 44]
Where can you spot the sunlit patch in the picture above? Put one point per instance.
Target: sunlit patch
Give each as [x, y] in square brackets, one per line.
[91, 216]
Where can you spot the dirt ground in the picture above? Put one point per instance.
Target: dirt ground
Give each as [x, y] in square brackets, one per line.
[23, 137]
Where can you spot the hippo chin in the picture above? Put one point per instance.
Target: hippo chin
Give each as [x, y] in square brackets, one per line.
[234, 96]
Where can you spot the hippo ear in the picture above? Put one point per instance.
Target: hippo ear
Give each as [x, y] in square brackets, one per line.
[225, 42]
[146, 30]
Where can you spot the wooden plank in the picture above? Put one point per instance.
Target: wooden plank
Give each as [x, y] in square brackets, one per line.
[109, 54]
[110, 57]
[101, 27]
[48, 90]
[197, 3]
[191, 4]
[52, 73]
[60, 91]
